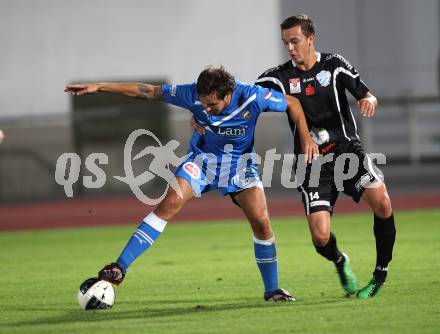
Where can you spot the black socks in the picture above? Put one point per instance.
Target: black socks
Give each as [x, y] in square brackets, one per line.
[385, 233]
[330, 251]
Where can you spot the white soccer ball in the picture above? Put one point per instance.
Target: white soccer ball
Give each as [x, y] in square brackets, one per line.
[95, 293]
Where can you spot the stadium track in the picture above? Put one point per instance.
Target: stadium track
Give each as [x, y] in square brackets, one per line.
[128, 210]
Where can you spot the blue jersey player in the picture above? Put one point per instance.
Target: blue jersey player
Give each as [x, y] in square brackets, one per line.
[221, 159]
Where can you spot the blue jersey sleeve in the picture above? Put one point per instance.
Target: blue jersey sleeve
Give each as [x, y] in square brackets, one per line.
[271, 100]
[179, 95]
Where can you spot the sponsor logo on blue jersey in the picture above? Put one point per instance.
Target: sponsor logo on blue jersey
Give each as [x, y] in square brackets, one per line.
[246, 114]
[232, 131]
[173, 90]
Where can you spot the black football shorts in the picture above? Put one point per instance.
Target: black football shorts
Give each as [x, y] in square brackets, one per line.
[322, 186]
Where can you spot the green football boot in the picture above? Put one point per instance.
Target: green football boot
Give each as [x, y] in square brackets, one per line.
[348, 279]
[372, 289]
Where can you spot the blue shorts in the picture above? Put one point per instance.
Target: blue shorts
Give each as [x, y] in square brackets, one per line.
[205, 172]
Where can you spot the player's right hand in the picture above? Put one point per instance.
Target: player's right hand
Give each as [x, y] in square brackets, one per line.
[81, 88]
[197, 127]
[310, 151]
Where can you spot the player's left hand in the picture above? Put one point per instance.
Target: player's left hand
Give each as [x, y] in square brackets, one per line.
[366, 107]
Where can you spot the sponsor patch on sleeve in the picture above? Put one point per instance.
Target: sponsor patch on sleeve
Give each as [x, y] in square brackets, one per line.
[192, 170]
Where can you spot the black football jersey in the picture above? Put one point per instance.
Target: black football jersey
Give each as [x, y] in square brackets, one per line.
[322, 93]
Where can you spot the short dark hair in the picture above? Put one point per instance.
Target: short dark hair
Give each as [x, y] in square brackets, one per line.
[306, 23]
[215, 80]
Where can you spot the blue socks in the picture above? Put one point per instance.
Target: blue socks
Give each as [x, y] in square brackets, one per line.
[267, 262]
[152, 226]
[142, 239]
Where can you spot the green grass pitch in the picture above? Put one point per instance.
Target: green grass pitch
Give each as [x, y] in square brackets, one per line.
[202, 278]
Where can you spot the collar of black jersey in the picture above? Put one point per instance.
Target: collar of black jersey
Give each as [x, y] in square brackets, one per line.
[318, 59]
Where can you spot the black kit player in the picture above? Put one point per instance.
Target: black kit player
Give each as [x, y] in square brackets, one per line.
[320, 81]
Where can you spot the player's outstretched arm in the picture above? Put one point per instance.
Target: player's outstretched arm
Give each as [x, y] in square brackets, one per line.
[132, 89]
[296, 114]
[367, 105]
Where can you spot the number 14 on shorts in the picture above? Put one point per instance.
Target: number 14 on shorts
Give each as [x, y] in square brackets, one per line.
[313, 195]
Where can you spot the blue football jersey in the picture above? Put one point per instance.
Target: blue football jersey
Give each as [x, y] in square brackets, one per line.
[235, 125]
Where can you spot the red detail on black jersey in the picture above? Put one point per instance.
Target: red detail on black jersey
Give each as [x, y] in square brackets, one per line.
[327, 148]
[310, 90]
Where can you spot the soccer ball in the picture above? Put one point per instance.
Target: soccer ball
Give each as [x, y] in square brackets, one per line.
[95, 293]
